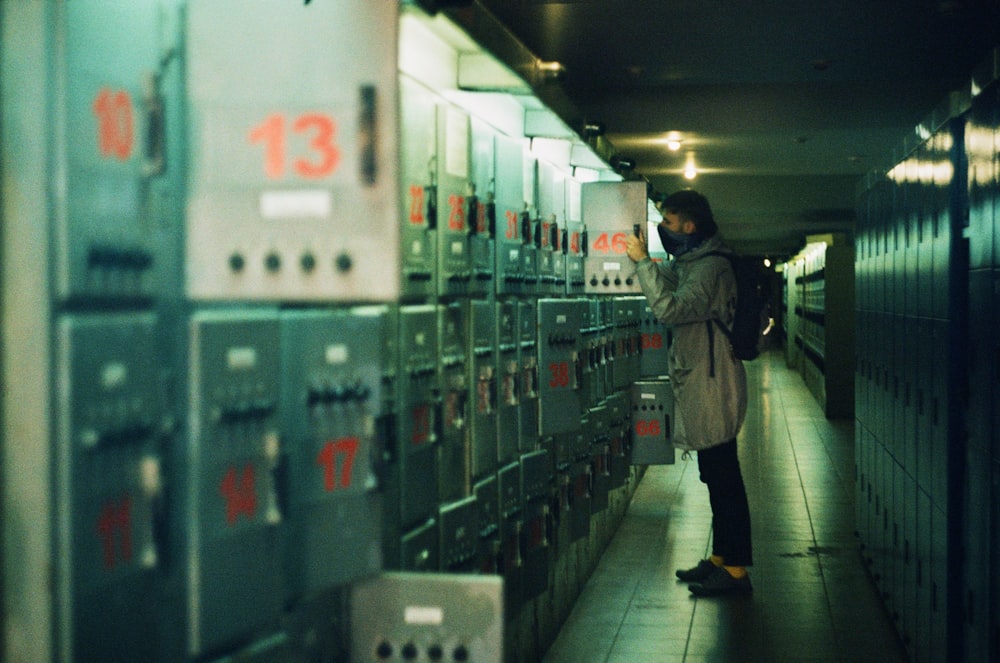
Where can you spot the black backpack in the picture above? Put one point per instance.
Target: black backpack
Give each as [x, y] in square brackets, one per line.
[753, 296]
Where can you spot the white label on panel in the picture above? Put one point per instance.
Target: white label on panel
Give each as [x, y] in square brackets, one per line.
[651, 397]
[113, 375]
[336, 354]
[425, 615]
[316, 204]
[241, 358]
[612, 266]
[560, 319]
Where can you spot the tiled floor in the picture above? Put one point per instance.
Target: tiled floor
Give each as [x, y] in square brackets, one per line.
[812, 600]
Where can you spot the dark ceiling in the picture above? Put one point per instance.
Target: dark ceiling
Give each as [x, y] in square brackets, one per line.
[782, 105]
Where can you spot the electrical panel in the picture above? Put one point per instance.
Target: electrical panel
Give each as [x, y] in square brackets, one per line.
[550, 202]
[628, 340]
[574, 244]
[330, 400]
[483, 382]
[508, 369]
[453, 195]
[488, 509]
[293, 178]
[655, 340]
[453, 457]
[418, 189]
[235, 519]
[652, 418]
[111, 487]
[420, 547]
[611, 211]
[111, 219]
[559, 360]
[482, 209]
[510, 231]
[417, 411]
[428, 617]
[459, 534]
[511, 562]
[527, 321]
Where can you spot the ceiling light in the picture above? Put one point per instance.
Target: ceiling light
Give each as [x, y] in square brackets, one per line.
[690, 172]
[673, 144]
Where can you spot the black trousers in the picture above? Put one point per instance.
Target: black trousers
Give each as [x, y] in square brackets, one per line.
[719, 469]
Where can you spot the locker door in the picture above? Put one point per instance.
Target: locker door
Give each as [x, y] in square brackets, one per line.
[111, 564]
[235, 519]
[509, 273]
[453, 362]
[418, 189]
[292, 142]
[559, 355]
[509, 377]
[330, 398]
[453, 189]
[481, 207]
[418, 415]
[610, 210]
[120, 71]
[527, 321]
[483, 387]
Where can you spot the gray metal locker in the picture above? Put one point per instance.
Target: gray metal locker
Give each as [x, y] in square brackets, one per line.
[235, 519]
[289, 147]
[417, 411]
[418, 189]
[508, 369]
[510, 235]
[111, 223]
[111, 492]
[610, 211]
[652, 404]
[330, 400]
[481, 208]
[559, 359]
[453, 360]
[483, 383]
[527, 321]
[453, 172]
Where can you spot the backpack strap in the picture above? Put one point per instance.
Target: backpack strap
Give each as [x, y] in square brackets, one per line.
[725, 330]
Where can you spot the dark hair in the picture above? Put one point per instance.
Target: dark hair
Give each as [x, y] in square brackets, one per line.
[691, 206]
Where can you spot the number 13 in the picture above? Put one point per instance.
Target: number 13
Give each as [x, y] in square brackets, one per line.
[325, 156]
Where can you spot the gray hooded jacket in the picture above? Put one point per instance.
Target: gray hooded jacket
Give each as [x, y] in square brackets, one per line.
[709, 384]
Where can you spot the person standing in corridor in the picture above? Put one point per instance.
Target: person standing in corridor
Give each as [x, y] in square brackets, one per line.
[693, 293]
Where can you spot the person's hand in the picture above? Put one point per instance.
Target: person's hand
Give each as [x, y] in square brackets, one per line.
[635, 247]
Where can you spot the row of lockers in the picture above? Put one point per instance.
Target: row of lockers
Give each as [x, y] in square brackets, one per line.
[458, 197]
[325, 445]
[928, 467]
[314, 316]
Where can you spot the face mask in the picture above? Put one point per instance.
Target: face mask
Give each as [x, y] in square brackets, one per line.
[677, 244]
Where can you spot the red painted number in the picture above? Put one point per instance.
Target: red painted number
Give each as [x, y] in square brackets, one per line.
[610, 244]
[421, 425]
[323, 155]
[559, 373]
[416, 204]
[647, 428]
[115, 124]
[574, 243]
[347, 448]
[456, 217]
[114, 526]
[512, 224]
[652, 341]
[238, 490]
